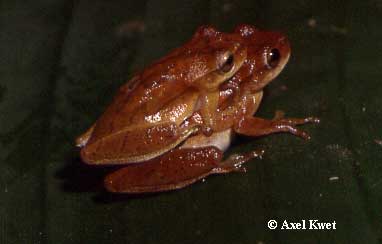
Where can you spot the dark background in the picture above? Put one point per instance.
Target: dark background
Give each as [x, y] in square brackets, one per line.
[62, 61]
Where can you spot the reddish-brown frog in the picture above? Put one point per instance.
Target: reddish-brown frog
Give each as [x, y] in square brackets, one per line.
[172, 122]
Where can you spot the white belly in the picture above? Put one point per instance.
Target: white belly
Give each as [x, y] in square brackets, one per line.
[221, 140]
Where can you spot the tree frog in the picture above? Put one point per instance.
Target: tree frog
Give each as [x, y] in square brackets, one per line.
[171, 123]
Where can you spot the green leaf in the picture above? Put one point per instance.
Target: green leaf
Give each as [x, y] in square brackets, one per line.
[62, 61]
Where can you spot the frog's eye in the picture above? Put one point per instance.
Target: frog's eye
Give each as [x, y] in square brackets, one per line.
[273, 57]
[227, 63]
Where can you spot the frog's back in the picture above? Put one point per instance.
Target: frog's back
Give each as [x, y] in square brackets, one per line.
[142, 122]
[155, 102]
[130, 107]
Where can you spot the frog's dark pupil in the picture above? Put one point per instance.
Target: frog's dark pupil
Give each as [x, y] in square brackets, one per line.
[227, 64]
[229, 60]
[273, 57]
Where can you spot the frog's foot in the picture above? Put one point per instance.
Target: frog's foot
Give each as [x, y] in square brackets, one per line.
[289, 125]
[234, 163]
[252, 126]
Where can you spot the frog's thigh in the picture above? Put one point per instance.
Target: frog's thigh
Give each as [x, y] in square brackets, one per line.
[175, 169]
[134, 144]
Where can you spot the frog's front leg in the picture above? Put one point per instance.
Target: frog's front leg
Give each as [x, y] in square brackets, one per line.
[209, 104]
[174, 170]
[253, 126]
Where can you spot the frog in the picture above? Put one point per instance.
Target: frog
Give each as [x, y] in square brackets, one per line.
[169, 126]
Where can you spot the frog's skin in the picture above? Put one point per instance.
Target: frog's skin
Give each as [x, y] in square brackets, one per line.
[172, 122]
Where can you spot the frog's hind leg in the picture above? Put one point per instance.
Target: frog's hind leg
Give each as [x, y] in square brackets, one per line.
[234, 163]
[174, 170]
[134, 144]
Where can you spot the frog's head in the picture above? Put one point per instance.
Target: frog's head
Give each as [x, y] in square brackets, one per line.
[209, 59]
[212, 58]
[267, 54]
